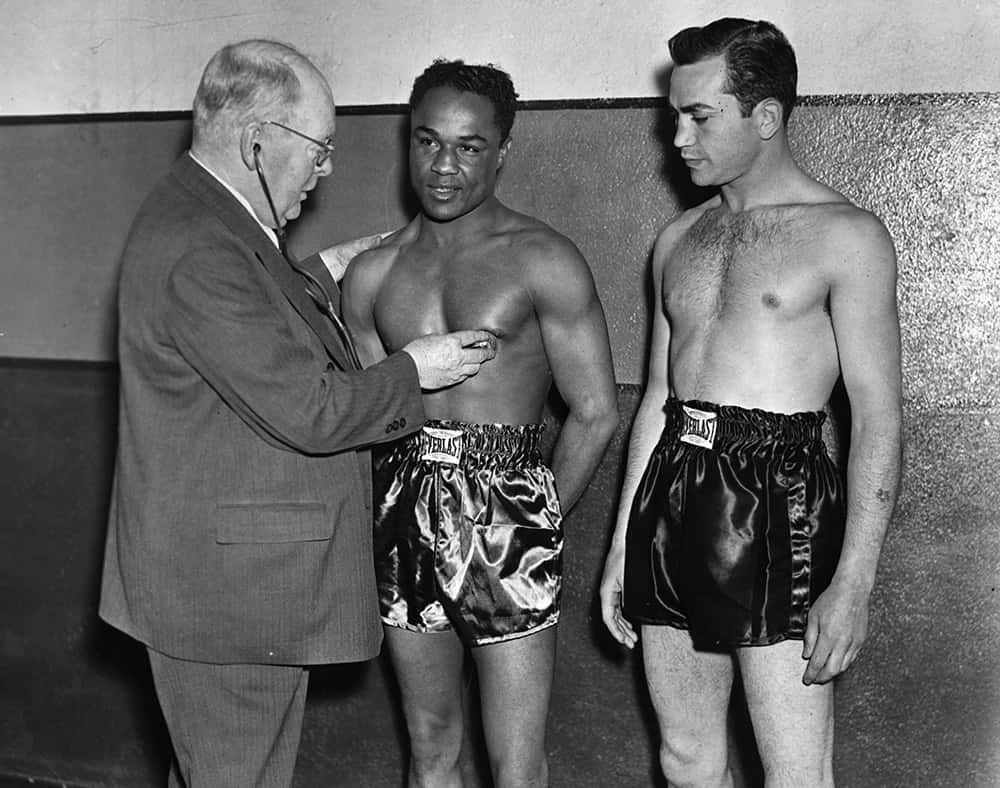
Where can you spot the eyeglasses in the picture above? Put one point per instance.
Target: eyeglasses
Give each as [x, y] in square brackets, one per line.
[326, 146]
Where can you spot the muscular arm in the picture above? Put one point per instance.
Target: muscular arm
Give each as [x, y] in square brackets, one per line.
[866, 326]
[359, 287]
[646, 430]
[575, 337]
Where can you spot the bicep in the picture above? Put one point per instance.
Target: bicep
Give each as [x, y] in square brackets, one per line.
[575, 335]
[865, 319]
[357, 308]
[657, 376]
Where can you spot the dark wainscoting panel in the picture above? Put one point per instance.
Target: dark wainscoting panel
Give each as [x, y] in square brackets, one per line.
[920, 708]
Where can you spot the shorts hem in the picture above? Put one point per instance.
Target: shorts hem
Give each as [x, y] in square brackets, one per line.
[484, 640]
[707, 644]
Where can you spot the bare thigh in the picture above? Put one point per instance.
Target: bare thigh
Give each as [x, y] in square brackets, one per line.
[792, 722]
[690, 691]
[428, 668]
[515, 685]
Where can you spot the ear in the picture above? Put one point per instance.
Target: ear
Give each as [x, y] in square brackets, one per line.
[250, 139]
[504, 147]
[769, 115]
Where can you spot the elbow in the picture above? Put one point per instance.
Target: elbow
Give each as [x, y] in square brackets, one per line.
[599, 421]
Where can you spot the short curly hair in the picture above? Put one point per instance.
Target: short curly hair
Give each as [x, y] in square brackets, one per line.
[488, 81]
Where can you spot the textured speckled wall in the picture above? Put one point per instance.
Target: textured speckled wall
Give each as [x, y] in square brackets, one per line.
[919, 709]
[928, 165]
[60, 56]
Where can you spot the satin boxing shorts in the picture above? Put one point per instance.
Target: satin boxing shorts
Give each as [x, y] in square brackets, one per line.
[736, 526]
[468, 532]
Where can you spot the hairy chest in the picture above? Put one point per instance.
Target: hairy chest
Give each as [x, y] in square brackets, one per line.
[745, 268]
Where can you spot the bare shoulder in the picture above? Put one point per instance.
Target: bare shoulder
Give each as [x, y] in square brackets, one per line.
[368, 268]
[846, 222]
[677, 228]
[543, 252]
[402, 237]
[857, 243]
[366, 272]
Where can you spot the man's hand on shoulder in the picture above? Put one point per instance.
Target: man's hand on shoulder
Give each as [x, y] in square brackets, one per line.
[446, 359]
[337, 257]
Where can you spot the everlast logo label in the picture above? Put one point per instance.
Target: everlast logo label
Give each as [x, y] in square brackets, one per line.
[699, 427]
[442, 445]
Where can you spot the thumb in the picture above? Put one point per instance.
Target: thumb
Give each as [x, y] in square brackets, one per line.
[809, 639]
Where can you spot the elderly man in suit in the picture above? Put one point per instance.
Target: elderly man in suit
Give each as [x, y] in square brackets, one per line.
[239, 541]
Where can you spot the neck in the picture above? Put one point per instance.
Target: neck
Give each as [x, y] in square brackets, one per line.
[470, 225]
[769, 181]
[230, 168]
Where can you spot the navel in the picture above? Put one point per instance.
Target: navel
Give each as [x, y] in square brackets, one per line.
[770, 300]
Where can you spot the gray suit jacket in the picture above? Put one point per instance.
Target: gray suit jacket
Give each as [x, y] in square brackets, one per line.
[240, 522]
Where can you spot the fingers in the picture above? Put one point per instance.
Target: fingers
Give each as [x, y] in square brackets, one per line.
[611, 612]
[444, 359]
[809, 639]
[338, 256]
[475, 338]
[828, 661]
[626, 634]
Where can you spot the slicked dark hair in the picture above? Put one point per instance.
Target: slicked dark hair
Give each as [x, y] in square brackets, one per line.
[760, 63]
[488, 81]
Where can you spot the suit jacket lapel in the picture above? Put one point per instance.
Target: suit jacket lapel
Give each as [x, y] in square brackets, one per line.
[292, 284]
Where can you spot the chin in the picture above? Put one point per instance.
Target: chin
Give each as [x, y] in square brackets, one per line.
[443, 213]
[701, 178]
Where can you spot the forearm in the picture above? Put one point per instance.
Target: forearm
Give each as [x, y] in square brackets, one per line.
[579, 449]
[646, 431]
[873, 473]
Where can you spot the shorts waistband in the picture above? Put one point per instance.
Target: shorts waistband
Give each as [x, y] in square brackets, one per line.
[457, 442]
[707, 424]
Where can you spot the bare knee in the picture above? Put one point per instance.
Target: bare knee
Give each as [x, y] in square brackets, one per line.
[435, 746]
[793, 774]
[690, 762]
[526, 769]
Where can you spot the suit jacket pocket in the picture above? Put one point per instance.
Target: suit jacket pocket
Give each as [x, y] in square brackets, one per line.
[257, 523]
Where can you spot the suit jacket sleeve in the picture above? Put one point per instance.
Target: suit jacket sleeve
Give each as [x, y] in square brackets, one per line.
[233, 325]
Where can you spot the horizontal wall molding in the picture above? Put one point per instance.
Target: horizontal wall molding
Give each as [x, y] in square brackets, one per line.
[639, 102]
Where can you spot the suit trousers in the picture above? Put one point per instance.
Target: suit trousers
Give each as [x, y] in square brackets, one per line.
[231, 725]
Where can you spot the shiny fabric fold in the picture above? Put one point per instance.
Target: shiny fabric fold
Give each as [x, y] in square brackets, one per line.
[468, 532]
[736, 526]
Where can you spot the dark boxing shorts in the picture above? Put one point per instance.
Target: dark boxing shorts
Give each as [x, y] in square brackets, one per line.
[736, 526]
[468, 532]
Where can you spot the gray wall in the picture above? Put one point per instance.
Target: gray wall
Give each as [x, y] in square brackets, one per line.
[919, 708]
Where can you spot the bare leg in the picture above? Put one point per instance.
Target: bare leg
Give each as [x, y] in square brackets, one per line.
[515, 681]
[793, 723]
[690, 691]
[429, 671]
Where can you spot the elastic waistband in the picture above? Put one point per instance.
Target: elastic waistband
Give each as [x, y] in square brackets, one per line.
[457, 442]
[707, 424]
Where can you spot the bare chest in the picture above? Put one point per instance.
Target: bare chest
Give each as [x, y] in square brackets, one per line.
[428, 294]
[744, 268]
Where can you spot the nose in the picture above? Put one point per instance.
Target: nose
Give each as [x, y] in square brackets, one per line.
[682, 132]
[444, 161]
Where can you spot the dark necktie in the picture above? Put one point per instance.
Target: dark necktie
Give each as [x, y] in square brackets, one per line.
[318, 293]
